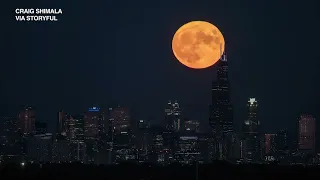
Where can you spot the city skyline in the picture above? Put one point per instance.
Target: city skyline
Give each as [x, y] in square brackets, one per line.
[96, 136]
[116, 135]
[205, 123]
[139, 113]
[101, 63]
[106, 84]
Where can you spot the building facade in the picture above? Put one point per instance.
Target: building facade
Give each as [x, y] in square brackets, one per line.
[173, 116]
[121, 135]
[251, 133]
[307, 131]
[26, 121]
[221, 112]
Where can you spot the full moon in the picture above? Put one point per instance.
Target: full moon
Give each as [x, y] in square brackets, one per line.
[198, 44]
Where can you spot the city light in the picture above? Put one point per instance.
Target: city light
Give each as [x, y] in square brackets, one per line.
[94, 109]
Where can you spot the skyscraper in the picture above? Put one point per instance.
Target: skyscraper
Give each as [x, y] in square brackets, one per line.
[251, 132]
[26, 119]
[10, 141]
[121, 134]
[142, 139]
[142, 134]
[307, 131]
[173, 116]
[62, 123]
[188, 150]
[75, 128]
[282, 145]
[94, 134]
[61, 149]
[251, 125]
[39, 147]
[93, 123]
[143, 124]
[221, 113]
[119, 119]
[270, 143]
[76, 136]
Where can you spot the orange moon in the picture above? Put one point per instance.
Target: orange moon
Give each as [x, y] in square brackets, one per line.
[198, 44]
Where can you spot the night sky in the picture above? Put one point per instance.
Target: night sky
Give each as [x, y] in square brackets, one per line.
[119, 52]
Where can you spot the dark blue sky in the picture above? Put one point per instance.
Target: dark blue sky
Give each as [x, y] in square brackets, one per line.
[104, 52]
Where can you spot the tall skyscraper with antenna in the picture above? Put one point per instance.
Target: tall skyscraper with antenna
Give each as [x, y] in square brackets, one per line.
[251, 132]
[221, 112]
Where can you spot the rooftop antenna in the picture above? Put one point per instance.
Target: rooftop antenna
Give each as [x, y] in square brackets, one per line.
[222, 55]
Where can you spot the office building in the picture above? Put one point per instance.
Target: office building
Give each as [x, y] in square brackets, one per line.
[76, 136]
[173, 116]
[61, 151]
[251, 133]
[10, 142]
[121, 134]
[221, 112]
[307, 131]
[39, 148]
[62, 126]
[188, 151]
[94, 123]
[270, 143]
[26, 121]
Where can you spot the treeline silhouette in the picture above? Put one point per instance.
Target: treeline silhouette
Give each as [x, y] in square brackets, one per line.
[217, 170]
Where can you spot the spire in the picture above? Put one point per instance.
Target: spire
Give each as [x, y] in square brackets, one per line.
[223, 55]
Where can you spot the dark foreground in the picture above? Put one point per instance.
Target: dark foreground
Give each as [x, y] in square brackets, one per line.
[146, 171]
